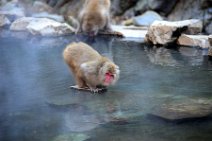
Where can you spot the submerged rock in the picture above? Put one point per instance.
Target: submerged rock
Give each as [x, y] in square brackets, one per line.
[3, 20]
[41, 26]
[163, 32]
[72, 137]
[184, 109]
[194, 40]
[147, 18]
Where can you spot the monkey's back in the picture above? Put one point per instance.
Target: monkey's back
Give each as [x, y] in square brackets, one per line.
[77, 53]
[95, 13]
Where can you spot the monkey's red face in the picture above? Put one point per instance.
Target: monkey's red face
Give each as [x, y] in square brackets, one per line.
[109, 77]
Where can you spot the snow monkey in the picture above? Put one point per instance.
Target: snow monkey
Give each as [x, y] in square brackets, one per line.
[94, 17]
[91, 70]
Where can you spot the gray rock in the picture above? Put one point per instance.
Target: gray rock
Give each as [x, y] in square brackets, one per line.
[194, 40]
[184, 109]
[41, 26]
[141, 6]
[39, 6]
[163, 32]
[3, 20]
[162, 6]
[12, 10]
[71, 137]
[147, 18]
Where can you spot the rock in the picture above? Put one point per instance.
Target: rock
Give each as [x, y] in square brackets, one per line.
[12, 10]
[39, 6]
[163, 32]
[55, 17]
[162, 6]
[131, 33]
[194, 40]
[41, 26]
[208, 28]
[72, 137]
[184, 109]
[206, 3]
[3, 20]
[210, 39]
[210, 48]
[147, 18]
[141, 6]
[191, 9]
[118, 7]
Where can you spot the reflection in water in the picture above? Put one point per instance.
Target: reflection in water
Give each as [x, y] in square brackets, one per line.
[36, 103]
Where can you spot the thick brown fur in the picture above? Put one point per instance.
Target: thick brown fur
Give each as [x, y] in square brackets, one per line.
[94, 16]
[88, 66]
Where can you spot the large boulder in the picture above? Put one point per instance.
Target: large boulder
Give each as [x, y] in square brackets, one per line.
[163, 32]
[189, 9]
[194, 40]
[3, 20]
[184, 109]
[41, 26]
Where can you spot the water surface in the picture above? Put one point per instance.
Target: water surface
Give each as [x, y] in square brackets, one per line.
[36, 103]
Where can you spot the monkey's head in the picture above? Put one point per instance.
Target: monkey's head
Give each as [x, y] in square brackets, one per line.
[91, 24]
[90, 29]
[109, 73]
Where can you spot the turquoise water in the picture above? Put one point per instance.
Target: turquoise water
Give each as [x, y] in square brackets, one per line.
[36, 103]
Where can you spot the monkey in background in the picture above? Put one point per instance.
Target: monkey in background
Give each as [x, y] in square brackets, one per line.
[94, 16]
[89, 68]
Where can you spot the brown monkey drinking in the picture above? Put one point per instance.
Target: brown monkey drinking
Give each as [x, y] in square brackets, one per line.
[94, 16]
[89, 68]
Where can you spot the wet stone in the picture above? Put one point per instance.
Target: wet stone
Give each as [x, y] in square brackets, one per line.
[183, 109]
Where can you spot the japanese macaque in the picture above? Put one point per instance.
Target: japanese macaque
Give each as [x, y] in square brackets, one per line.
[91, 70]
[94, 16]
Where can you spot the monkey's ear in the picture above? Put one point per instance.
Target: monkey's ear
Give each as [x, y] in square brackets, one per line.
[89, 67]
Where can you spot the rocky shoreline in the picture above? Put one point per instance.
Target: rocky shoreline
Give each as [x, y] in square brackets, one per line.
[42, 18]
